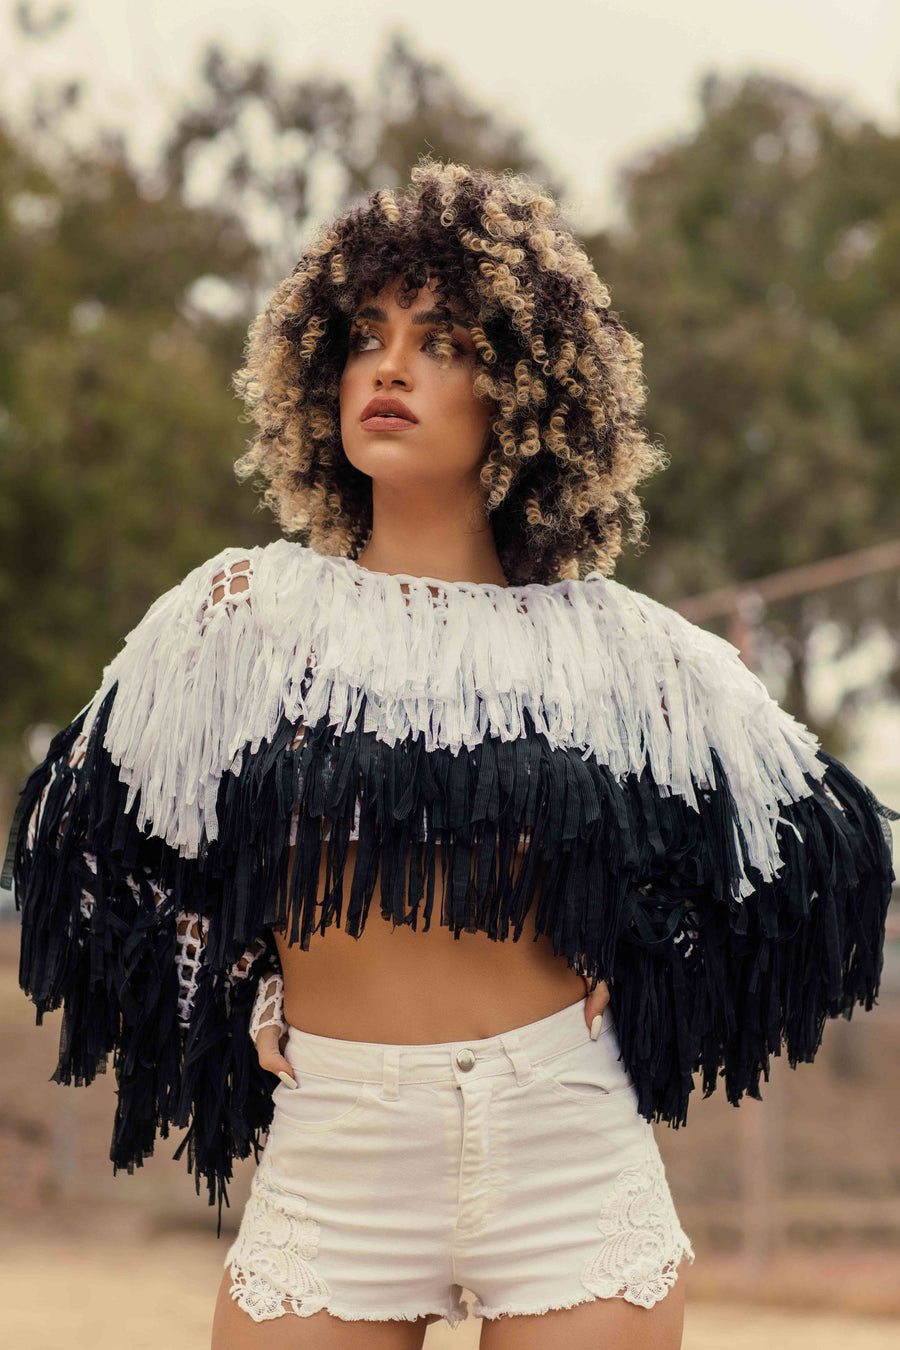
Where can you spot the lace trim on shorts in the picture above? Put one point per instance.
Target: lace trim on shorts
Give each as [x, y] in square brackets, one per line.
[284, 1243]
[643, 1241]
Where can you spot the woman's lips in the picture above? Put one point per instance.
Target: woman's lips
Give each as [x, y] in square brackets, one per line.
[387, 423]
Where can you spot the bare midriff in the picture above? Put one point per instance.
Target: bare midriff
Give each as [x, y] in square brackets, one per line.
[394, 985]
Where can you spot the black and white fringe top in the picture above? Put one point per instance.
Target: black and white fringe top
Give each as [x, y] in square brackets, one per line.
[726, 876]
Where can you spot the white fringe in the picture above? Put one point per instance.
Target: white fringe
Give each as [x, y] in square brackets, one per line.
[591, 660]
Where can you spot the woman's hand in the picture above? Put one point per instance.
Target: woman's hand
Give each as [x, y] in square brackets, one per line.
[270, 1056]
[594, 1005]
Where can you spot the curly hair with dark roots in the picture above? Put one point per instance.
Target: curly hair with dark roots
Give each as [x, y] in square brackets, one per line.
[559, 369]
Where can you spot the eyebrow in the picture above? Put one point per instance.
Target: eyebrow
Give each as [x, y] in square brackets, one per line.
[422, 316]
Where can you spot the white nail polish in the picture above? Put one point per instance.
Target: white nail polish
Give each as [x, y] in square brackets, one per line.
[286, 1078]
[595, 1026]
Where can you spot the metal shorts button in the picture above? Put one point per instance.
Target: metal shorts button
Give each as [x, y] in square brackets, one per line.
[465, 1058]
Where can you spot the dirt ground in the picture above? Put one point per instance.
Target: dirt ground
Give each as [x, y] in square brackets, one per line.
[62, 1285]
[94, 1261]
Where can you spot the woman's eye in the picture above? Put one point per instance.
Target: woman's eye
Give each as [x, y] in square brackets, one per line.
[433, 338]
[357, 339]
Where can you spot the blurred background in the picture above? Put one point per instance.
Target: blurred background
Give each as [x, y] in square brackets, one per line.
[734, 174]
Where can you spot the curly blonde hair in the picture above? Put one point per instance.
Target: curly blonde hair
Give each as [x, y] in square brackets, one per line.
[560, 369]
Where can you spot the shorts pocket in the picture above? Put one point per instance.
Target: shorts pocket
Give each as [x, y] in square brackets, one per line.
[319, 1102]
[588, 1069]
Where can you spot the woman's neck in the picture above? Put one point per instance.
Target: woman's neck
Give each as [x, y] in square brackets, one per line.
[472, 559]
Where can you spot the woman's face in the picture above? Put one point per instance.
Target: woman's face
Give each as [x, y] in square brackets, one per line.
[398, 358]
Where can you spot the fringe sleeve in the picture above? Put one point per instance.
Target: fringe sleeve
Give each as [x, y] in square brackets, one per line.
[706, 980]
[97, 938]
[114, 919]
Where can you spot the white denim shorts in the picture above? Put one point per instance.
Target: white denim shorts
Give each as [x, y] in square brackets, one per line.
[516, 1167]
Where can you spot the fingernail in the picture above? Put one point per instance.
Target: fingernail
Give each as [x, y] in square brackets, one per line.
[595, 1026]
[286, 1078]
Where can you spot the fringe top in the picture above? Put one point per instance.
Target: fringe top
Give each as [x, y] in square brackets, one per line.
[598, 668]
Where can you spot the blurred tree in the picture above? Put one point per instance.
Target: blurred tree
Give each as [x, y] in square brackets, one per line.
[117, 427]
[756, 265]
[277, 146]
[759, 265]
[125, 311]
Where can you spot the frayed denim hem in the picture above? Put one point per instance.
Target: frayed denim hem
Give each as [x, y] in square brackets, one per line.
[262, 1302]
[642, 1297]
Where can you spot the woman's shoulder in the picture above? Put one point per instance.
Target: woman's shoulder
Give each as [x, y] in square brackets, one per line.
[638, 619]
[174, 697]
[235, 576]
[233, 568]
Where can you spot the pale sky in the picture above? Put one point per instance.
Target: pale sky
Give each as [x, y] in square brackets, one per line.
[594, 82]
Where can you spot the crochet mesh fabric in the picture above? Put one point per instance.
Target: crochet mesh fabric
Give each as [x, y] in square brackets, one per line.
[268, 1005]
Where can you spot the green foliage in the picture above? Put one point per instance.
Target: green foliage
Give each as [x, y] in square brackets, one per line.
[118, 430]
[118, 425]
[759, 266]
[317, 130]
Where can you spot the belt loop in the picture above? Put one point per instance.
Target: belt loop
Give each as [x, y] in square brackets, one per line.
[520, 1061]
[390, 1079]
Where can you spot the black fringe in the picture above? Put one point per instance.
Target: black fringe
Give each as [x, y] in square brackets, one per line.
[699, 984]
[115, 972]
[632, 886]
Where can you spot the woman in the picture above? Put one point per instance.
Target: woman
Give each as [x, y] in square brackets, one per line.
[447, 410]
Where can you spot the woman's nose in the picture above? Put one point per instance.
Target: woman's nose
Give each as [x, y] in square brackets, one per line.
[392, 366]
[396, 355]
